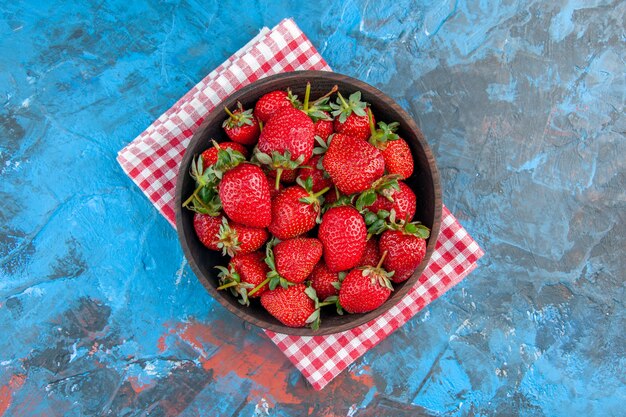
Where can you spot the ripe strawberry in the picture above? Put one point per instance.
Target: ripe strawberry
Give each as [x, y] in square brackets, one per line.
[274, 192]
[326, 282]
[210, 155]
[241, 126]
[295, 211]
[295, 258]
[403, 201]
[288, 176]
[370, 254]
[396, 151]
[288, 130]
[351, 117]
[353, 165]
[365, 289]
[207, 229]
[343, 235]
[244, 272]
[245, 195]
[406, 248]
[398, 158]
[315, 171]
[234, 238]
[292, 306]
[324, 127]
[268, 104]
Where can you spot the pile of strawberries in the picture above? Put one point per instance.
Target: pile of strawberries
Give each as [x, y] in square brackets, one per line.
[319, 184]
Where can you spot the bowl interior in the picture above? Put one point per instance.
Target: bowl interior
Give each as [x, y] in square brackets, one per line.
[424, 182]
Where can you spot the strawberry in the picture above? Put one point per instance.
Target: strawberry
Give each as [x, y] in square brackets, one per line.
[241, 126]
[326, 282]
[288, 176]
[295, 258]
[351, 117]
[287, 140]
[245, 196]
[315, 171]
[343, 236]
[234, 238]
[398, 197]
[406, 246]
[398, 158]
[268, 104]
[244, 272]
[295, 210]
[370, 254]
[324, 127]
[274, 191]
[292, 306]
[353, 165]
[210, 155]
[207, 229]
[365, 289]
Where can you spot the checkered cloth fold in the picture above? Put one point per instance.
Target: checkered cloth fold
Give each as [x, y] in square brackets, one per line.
[152, 160]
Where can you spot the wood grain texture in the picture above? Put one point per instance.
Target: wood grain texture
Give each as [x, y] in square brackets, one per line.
[425, 182]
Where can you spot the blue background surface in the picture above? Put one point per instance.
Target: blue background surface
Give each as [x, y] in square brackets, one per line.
[523, 104]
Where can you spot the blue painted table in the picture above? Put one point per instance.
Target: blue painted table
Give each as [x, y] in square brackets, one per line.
[523, 103]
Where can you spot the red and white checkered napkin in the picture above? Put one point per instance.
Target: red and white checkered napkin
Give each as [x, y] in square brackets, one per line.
[152, 161]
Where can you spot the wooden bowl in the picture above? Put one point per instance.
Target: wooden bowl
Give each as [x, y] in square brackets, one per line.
[424, 182]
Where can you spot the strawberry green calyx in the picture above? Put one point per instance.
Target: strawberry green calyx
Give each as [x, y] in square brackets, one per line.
[228, 240]
[384, 186]
[343, 108]
[278, 162]
[318, 109]
[273, 277]
[376, 222]
[230, 279]
[384, 133]
[314, 199]
[314, 320]
[204, 198]
[238, 118]
[322, 148]
[227, 159]
[408, 228]
[378, 275]
[293, 99]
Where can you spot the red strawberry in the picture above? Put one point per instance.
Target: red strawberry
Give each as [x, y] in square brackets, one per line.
[291, 306]
[365, 289]
[396, 151]
[295, 211]
[268, 104]
[288, 130]
[406, 248]
[370, 255]
[343, 235]
[244, 272]
[403, 201]
[241, 126]
[234, 238]
[295, 258]
[353, 165]
[324, 281]
[208, 229]
[245, 195]
[315, 171]
[324, 128]
[288, 176]
[398, 158]
[210, 155]
[274, 192]
[351, 117]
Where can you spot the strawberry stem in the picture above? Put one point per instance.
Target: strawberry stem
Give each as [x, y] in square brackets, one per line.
[258, 287]
[343, 101]
[382, 258]
[279, 172]
[307, 94]
[332, 91]
[319, 193]
[229, 112]
[326, 303]
[194, 195]
[230, 284]
[371, 122]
